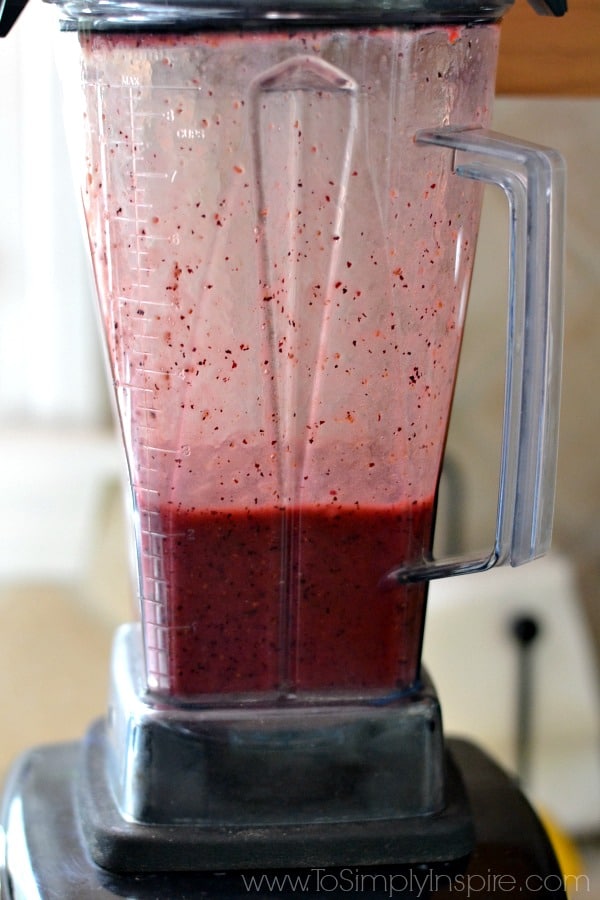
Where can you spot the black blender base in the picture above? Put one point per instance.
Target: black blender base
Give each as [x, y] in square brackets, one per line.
[122, 846]
[46, 855]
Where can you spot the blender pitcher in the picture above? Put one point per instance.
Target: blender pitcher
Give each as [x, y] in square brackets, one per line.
[283, 267]
[283, 274]
[282, 206]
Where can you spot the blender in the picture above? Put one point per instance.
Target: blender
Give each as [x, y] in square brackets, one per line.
[282, 204]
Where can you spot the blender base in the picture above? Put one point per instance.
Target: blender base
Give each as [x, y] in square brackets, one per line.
[291, 780]
[124, 846]
[46, 855]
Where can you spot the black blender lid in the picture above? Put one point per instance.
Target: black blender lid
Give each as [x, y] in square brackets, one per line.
[549, 7]
[9, 13]
[181, 14]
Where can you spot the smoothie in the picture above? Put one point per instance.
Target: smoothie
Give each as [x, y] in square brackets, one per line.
[275, 600]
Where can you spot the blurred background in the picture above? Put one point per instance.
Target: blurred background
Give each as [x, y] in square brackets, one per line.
[64, 569]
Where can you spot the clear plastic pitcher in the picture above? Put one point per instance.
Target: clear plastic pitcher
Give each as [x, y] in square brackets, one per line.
[283, 264]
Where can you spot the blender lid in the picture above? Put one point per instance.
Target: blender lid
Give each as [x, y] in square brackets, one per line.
[549, 7]
[10, 11]
[104, 15]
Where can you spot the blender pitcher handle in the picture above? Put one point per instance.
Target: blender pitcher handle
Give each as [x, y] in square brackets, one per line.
[533, 180]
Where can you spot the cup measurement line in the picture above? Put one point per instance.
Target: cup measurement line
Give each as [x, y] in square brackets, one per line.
[154, 175]
[161, 449]
[131, 220]
[128, 385]
[145, 371]
[143, 114]
[116, 143]
[137, 160]
[143, 303]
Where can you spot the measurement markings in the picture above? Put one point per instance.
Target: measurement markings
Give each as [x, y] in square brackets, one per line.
[143, 114]
[117, 143]
[142, 304]
[147, 490]
[159, 449]
[153, 175]
[128, 385]
[132, 220]
[142, 371]
[156, 237]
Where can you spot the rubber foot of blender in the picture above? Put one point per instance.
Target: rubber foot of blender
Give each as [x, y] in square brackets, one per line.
[44, 856]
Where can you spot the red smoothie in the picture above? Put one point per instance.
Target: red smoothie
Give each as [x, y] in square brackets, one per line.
[270, 600]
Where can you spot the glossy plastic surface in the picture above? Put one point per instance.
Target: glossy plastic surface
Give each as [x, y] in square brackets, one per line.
[283, 275]
[188, 15]
[533, 179]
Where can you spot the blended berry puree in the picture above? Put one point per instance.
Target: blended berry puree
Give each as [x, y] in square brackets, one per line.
[289, 600]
